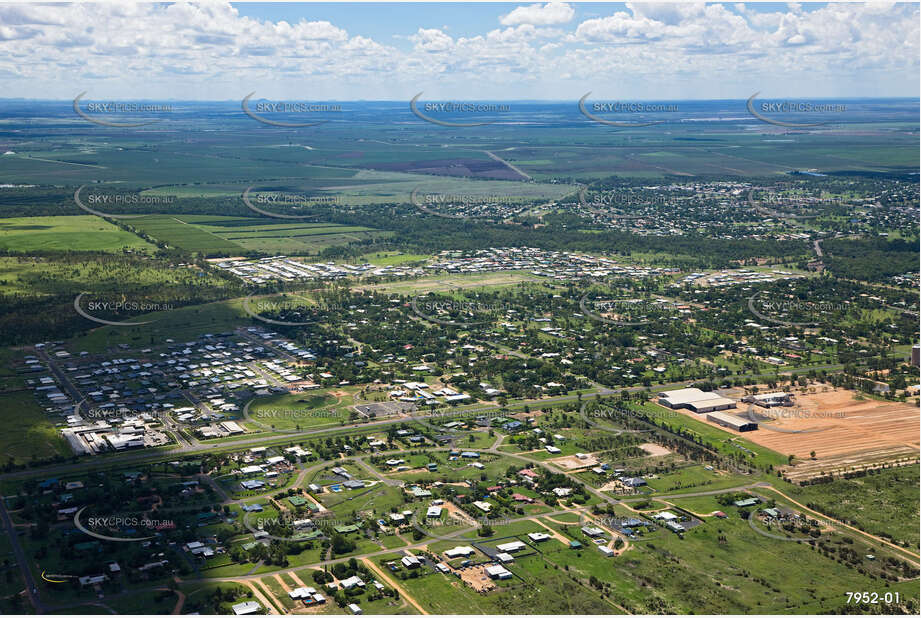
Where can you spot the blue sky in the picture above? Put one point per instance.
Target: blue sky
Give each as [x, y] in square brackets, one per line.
[396, 21]
[374, 51]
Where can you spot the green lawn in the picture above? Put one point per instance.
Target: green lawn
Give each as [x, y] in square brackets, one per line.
[695, 476]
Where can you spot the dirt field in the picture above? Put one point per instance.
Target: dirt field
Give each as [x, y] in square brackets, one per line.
[619, 488]
[848, 425]
[453, 281]
[844, 432]
[571, 462]
[655, 450]
[477, 578]
[456, 513]
[858, 460]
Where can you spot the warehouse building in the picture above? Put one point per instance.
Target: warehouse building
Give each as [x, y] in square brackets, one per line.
[732, 422]
[695, 400]
[770, 400]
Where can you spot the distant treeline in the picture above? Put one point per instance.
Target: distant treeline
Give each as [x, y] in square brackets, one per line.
[37, 202]
[414, 231]
[50, 201]
[432, 235]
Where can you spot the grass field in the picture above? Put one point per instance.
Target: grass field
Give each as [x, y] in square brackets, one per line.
[723, 566]
[200, 596]
[449, 282]
[182, 324]
[309, 410]
[538, 588]
[79, 233]
[392, 258]
[693, 476]
[448, 595]
[884, 503]
[145, 602]
[27, 433]
[214, 234]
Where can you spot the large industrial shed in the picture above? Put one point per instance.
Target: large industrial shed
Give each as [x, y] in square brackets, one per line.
[695, 400]
[770, 400]
[733, 422]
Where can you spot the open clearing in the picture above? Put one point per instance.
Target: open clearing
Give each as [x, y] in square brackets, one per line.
[655, 450]
[848, 426]
[77, 233]
[571, 462]
[845, 432]
[28, 434]
[213, 234]
[445, 283]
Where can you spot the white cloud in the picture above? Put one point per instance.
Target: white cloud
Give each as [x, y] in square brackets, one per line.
[550, 14]
[212, 51]
[432, 40]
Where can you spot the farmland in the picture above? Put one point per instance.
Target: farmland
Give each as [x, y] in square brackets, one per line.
[217, 235]
[77, 233]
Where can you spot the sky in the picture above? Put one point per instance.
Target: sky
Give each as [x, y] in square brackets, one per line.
[479, 51]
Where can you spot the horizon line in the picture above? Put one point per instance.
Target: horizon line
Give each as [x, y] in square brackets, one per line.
[575, 100]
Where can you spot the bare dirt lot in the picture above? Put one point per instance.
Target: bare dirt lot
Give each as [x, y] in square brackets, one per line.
[845, 432]
[847, 425]
[571, 462]
[477, 578]
[655, 450]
